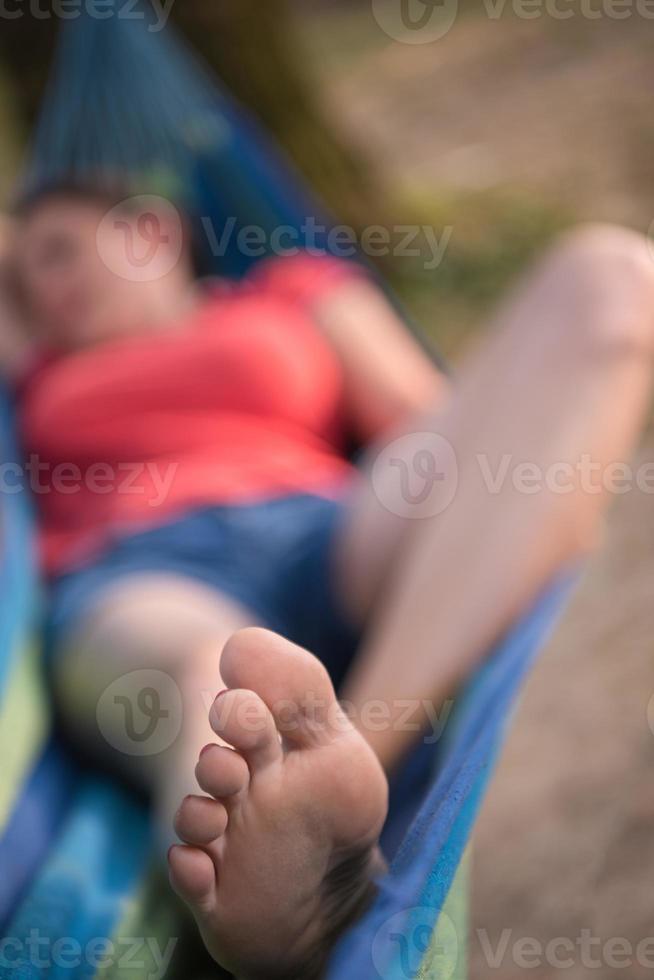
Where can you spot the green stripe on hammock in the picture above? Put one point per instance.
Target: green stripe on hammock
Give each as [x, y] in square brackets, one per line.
[25, 722]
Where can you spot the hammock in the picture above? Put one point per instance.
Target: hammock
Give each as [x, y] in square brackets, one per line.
[81, 894]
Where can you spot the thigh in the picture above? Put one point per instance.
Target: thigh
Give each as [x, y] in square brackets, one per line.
[151, 632]
[552, 398]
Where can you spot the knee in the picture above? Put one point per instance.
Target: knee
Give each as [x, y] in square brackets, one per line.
[625, 257]
[605, 273]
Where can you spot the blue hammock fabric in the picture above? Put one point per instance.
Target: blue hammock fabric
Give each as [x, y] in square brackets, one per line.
[75, 850]
[412, 895]
[84, 843]
[33, 825]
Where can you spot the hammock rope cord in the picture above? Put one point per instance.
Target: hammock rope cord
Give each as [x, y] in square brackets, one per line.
[130, 106]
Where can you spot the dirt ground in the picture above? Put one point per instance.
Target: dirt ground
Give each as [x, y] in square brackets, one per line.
[565, 845]
[565, 842]
[559, 108]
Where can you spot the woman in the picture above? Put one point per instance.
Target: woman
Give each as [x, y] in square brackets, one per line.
[230, 416]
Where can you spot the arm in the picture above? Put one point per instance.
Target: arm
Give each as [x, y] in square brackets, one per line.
[14, 342]
[388, 376]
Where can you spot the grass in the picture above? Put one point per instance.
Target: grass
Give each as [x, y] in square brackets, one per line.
[334, 38]
[495, 235]
[337, 35]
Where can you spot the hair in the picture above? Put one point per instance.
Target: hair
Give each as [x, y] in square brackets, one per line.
[105, 194]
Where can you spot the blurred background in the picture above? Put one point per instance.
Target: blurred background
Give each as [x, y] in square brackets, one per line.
[504, 130]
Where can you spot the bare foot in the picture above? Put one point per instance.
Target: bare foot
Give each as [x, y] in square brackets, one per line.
[280, 858]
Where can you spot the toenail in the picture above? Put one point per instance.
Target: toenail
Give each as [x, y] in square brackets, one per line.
[206, 748]
[220, 693]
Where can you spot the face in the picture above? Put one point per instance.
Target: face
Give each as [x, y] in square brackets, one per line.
[89, 276]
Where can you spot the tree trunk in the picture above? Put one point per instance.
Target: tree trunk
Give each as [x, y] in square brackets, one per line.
[251, 46]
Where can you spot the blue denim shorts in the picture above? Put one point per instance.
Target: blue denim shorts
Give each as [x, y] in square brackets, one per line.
[273, 557]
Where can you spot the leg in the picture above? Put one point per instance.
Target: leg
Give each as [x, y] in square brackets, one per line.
[277, 863]
[566, 374]
[300, 800]
[282, 850]
[151, 640]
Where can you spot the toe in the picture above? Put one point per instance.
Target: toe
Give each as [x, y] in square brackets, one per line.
[291, 681]
[242, 719]
[192, 876]
[200, 820]
[222, 772]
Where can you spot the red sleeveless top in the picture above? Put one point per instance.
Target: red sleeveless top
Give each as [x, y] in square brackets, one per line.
[243, 402]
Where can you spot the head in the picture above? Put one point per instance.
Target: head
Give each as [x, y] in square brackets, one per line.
[93, 265]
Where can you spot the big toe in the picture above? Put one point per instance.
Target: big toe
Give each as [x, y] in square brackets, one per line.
[293, 684]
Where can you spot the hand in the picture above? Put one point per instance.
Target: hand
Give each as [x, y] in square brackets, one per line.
[6, 234]
[14, 343]
[7, 290]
